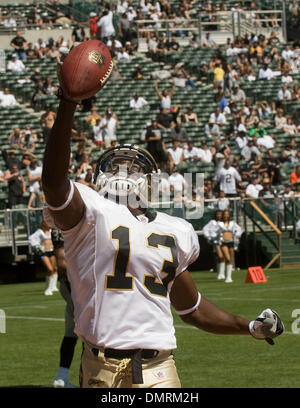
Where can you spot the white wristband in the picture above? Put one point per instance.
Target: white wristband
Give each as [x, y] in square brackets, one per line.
[66, 203]
[192, 309]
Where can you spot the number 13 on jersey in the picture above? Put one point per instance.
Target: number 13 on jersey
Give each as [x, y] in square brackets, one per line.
[119, 280]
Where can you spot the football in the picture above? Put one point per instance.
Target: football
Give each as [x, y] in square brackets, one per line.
[86, 69]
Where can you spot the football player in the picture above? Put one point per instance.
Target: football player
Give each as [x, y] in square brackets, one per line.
[67, 346]
[127, 265]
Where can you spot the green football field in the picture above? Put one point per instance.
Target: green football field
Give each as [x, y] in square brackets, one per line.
[29, 350]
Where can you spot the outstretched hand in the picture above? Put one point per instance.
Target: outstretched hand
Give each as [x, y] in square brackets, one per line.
[267, 326]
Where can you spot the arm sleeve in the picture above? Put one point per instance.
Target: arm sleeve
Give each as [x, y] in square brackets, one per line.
[35, 239]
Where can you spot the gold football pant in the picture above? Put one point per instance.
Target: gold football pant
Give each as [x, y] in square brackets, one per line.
[102, 372]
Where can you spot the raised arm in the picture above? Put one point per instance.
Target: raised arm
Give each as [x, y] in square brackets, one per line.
[55, 182]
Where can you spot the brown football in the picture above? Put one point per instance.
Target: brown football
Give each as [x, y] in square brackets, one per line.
[86, 69]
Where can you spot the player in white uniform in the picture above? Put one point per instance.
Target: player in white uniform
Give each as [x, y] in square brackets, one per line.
[229, 234]
[227, 178]
[127, 266]
[211, 232]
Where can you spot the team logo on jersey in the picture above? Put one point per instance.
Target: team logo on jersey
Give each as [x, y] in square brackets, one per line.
[159, 374]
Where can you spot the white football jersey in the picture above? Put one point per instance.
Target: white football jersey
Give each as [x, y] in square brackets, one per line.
[227, 179]
[121, 270]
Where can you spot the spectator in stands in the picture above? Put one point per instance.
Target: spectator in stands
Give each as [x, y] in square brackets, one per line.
[164, 119]
[31, 52]
[49, 88]
[190, 116]
[15, 65]
[155, 144]
[165, 96]
[84, 167]
[204, 72]
[93, 116]
[78, 33]
[41, 47]
[28, 141]
[34, 175]
[19, 44]
[38, 94]
[34, 17]
[253, 188]
[265, 72]
[138, 74]
[219, 75]
[218, 117]
[211, 129]
[16, 186]
[289, 154]
[265, 141]
[204, 153]
[36, 76]
[93, 27]
[152, 44]
[289, 127]
[105, 25]
[109, 125]
[296, 92]
[123, 55]
[238, 95]
[15, 137]
[272, 165]
[47, 121]
[190, 152]
[181, 77]
[173, 44]
[284, 94]
[97, 133]
[7, 99]
[178, 132]
[295, 175]
[256, 53]
[10, 158]
[9, 21]
[208, 42]
[138, 103]
[280, 120]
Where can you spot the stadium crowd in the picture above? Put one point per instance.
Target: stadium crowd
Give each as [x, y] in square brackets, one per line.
[253, 168]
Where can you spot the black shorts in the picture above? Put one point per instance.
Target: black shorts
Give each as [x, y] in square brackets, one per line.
[229, 244]
[39, 252]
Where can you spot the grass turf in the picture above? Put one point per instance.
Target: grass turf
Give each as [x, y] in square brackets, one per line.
[29, 354]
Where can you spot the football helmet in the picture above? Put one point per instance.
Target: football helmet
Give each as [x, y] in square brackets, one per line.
[126, 171]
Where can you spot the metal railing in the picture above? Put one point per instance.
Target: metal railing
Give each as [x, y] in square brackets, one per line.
[226, 24]
[251, 214]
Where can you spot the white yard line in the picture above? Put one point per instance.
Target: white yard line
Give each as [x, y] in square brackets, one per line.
[54, 319]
